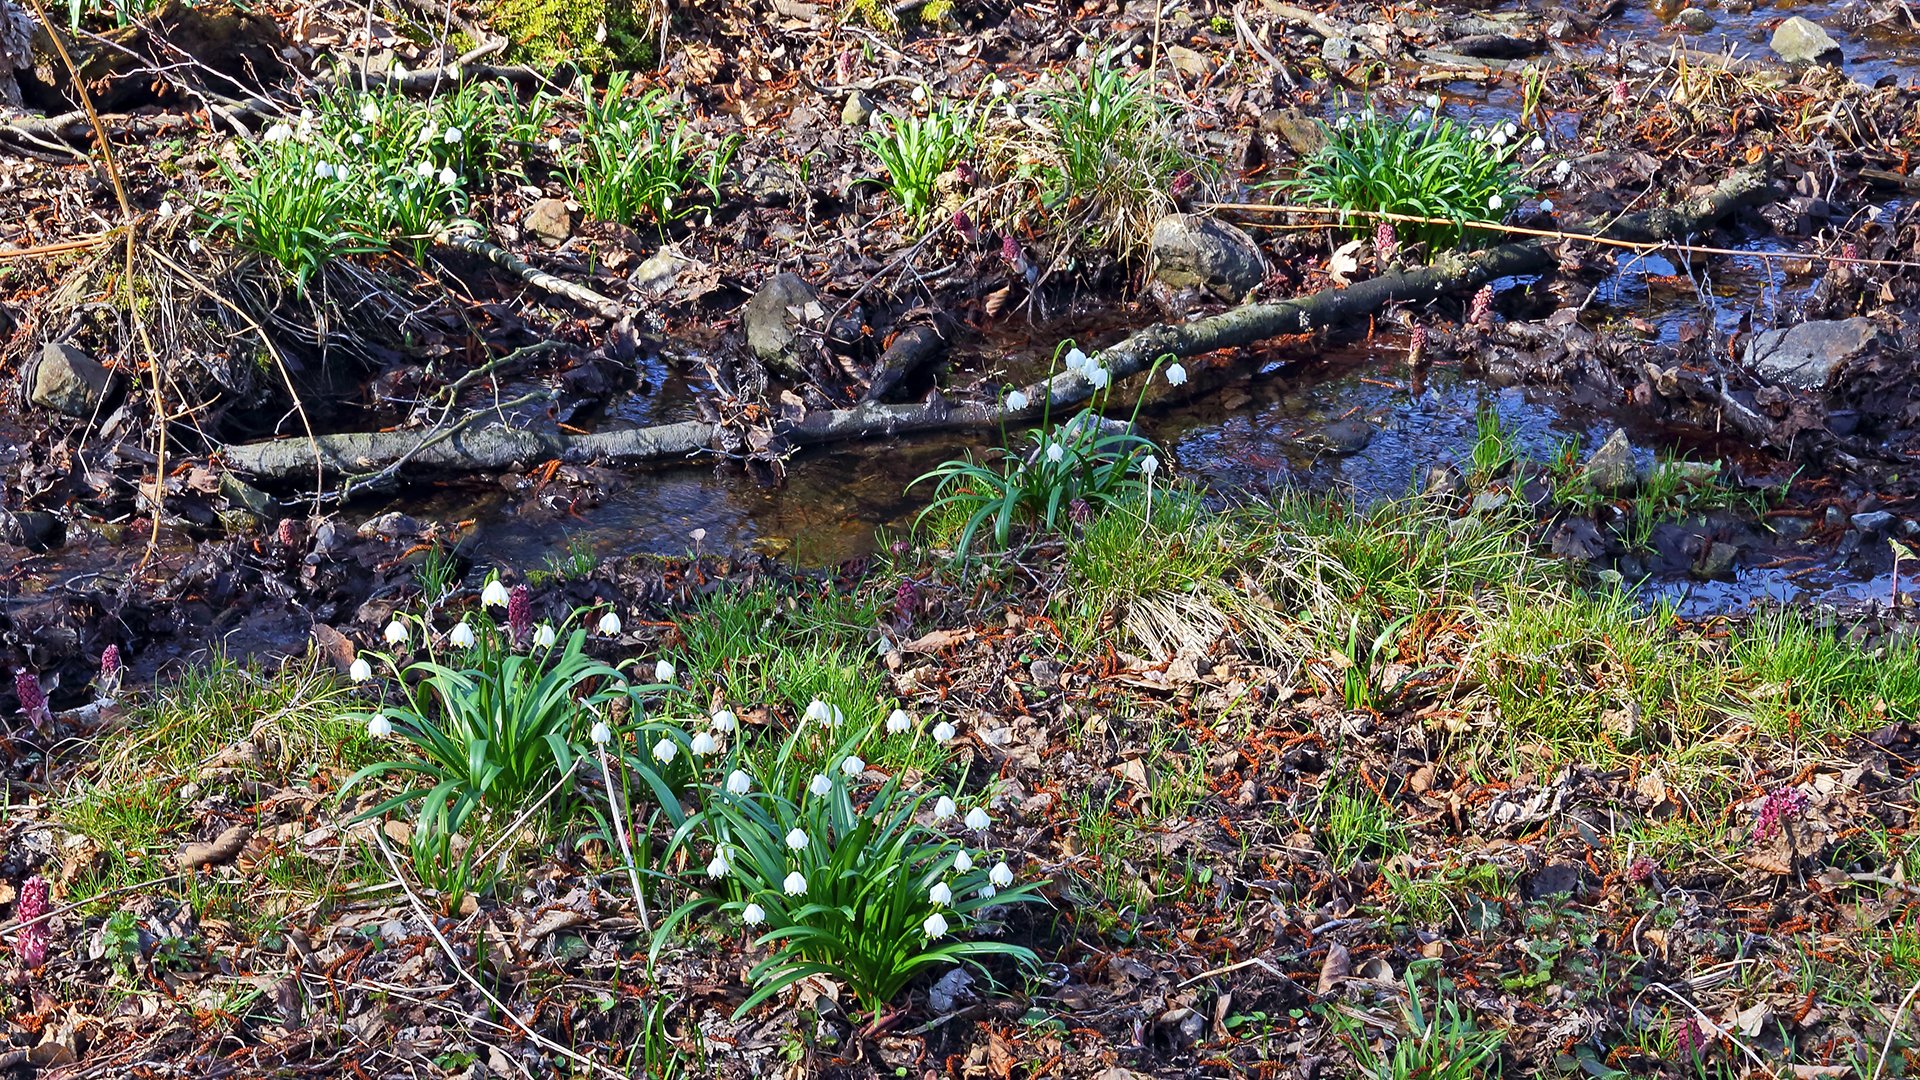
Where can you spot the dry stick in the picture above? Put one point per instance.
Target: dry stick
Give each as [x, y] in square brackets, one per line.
[620, 834]
[1547, 234]
[126, 283]
[1893, 1028]
[501, 448]
[604, 306]
[80, 244]
[453, 958]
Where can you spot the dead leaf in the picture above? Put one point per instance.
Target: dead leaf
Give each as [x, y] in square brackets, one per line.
[1335, 970]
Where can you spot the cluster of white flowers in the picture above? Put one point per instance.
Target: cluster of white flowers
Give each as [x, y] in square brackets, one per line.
[1089, 369]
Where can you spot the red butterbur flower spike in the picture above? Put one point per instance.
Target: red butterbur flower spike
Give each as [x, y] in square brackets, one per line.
[1183, 184]
[110, 671]
[519, 614]
[1781, 804]
[1620, 94]
[31, 944]
[1481, 316]
[1385, 243]
[1690, 1037]
[33, 700]
[1641, 871]
[963, 225]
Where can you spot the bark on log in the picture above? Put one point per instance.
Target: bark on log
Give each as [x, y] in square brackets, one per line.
[499, 448]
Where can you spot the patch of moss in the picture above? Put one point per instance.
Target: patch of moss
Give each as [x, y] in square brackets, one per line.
[936, 13]
[874, 13]
[592, 35]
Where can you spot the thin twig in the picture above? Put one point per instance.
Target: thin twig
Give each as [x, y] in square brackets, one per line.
[453, 959]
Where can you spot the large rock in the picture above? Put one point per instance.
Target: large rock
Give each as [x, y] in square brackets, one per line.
[1809, 355]
[548, 221]
[1192, 251]
[1800, 40]
[774, 320]
[67, 380]
[1612, 470]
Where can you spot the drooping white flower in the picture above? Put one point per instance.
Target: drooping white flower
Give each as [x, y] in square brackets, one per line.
[424, 170]
[920, 93]
[796, 884]
[941, 893]
[663, 671]
[396, 633]
[977, 819]
[664, 750]
[739, 783]
[379, 726]
[1493, 202]
[853, 766]
[724, 720]
[818, 711]
[988, 892]
[451, 136]
[753, 915]
[1099, 377]
[820, 785]
[1562, 171]
[369, 112]
[341, 172]
[898, 721]
[666, 204]
[797, 839]
[1433, 101]
[360, 671]
[1017, 400]
[323, 170]
[356, 139]
[703, 744]
[610, 624]
[278, 133]
[553, 145]
[1176, 375]
[1498, 138]
[601, 733]
[1538, 144]
[835, 717]
[1076, 359]
[717, 869]
[165, 209]
[935, 926]
[1149, 465]
[943, 808]
[1001, 875]
[1413, 117]
[543, 636]
[449, 178]
[1511, 129]
[1055, 452]
[962, 862]
[427, 133]
[1546, 206]
[461, 636]
[943, 732]
[494, 595]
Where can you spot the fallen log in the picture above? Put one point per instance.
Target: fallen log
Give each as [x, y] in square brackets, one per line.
[498, 448]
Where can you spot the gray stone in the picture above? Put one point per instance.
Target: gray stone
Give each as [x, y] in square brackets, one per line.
[67, 380]
[1611, 470]
[1698, 20]
[1193, 251]
[548, 221]
[1808, 356]
[857, 111]
[1716, 561]
[1346, 436]
[774, 318]
[1800, 40]
[1873, 521]
[1336, 49]
[1835, 517]
[1188, 62]
[244, 496]
[1489, 502]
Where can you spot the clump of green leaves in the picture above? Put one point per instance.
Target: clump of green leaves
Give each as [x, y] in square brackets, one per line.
[1116, 160]
[915, 150]
[638, 158]
[848, 883]
[1039, 483]
[1423, 165]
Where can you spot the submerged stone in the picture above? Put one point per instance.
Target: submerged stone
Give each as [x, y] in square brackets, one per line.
[1809, 355]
